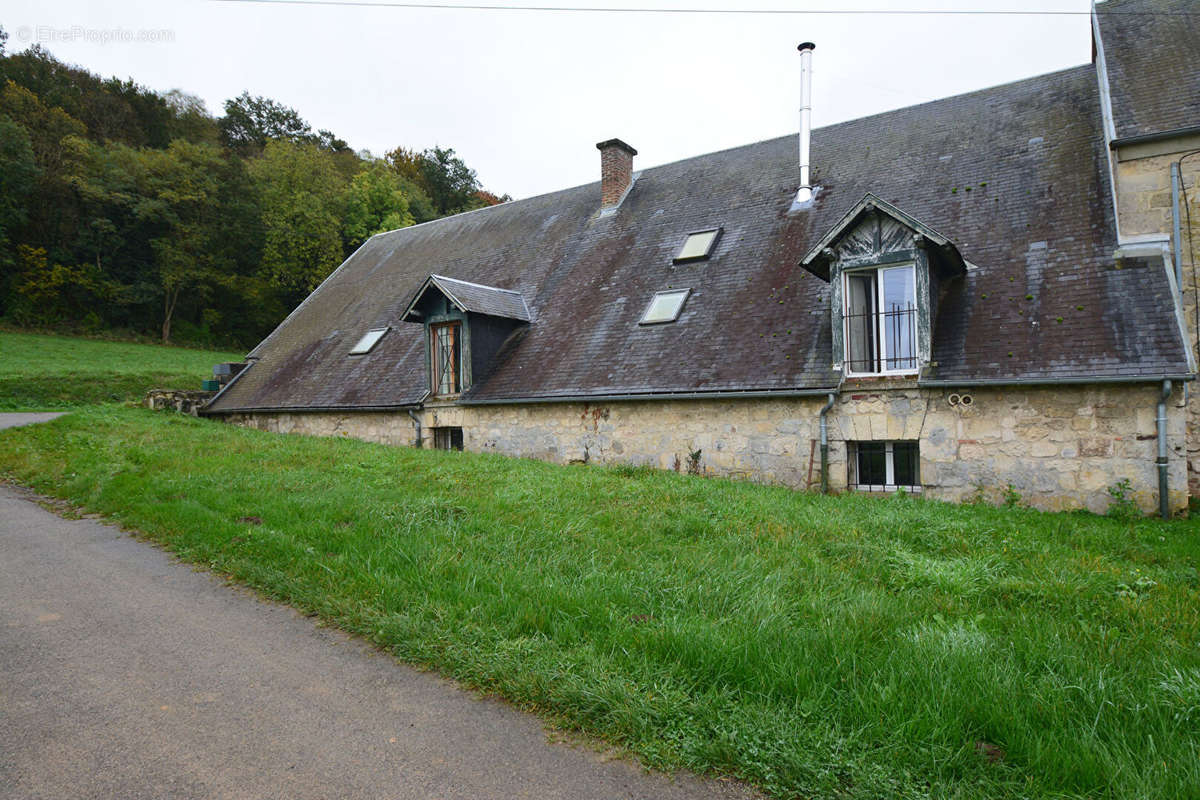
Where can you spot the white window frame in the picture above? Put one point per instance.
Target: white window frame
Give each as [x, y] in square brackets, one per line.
[685, 294]
[889, 467]
[880, 339]
[713, 234]
[369, 340]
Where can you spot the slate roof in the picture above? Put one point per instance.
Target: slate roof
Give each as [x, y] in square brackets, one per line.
[1015, 176]
[1153, 58]
[478, 298]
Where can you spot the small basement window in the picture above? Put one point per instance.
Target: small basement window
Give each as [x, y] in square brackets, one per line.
[448, 438]
[884, 466]
[664, 307]
[368, 341]
[698, 245]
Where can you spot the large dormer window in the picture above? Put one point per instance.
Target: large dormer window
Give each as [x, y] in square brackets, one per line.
[447, 357]
[466, 326]
[881, 320]
[885, 270]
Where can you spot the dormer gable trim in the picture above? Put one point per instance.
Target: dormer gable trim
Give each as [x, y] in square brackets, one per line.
[471, 298]
[819, 257]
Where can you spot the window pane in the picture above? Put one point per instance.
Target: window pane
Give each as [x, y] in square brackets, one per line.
[665, 306]
[697, 245]
[898, 323]
[906, 462]
[446, 358]
[368, 341]
[872, 463]
[860, 322]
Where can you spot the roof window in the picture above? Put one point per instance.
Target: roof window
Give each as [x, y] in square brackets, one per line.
[368, 341]
[698, 245]
[664, 307]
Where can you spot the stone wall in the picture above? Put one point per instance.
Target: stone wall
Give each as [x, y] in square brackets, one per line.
[185, 401]
[1143, 181]
[1059, 447]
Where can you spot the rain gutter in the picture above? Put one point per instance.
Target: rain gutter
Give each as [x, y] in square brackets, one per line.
[311, 409]
[1075, 381]
[1148, 138]
[615, 398]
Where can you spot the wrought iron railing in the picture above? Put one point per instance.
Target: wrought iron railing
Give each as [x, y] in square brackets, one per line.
[882, 341]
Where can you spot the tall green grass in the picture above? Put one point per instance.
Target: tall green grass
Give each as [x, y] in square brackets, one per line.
[53, 372]
[854, 646]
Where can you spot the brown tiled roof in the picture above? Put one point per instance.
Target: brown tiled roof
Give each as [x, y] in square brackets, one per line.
[1152, 52]
[1015, 176]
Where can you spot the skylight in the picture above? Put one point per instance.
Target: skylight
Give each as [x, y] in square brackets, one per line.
[664, 307]
[368, 341]
[698, 245]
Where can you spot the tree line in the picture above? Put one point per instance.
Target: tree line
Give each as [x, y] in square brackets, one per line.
[124, 209]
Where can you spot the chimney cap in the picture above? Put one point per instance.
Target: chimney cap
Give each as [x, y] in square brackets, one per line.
[607, 143]
[806, 46]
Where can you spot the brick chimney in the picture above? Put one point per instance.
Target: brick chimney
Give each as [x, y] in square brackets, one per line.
[616, 171]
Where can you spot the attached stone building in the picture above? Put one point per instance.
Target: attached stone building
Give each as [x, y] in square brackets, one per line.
[982, 292]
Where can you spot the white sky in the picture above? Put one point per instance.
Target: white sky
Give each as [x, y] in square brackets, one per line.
[523, 96]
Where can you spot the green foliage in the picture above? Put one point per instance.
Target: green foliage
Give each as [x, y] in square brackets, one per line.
[47, 292]
[111, 109]
[302, 198]
[846, 647]
[250, 122]
[18, 176]
[1123, 506]
[449, 183]
[122, 208]
[1011, 497]
[375, 202]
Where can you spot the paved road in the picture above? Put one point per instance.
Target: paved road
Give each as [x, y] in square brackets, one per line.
[12, 419]
[125, 674]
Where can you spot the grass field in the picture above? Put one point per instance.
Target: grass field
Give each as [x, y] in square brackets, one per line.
[848, 646]
[40, 372]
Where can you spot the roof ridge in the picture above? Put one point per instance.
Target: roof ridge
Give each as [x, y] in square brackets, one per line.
[755, 143]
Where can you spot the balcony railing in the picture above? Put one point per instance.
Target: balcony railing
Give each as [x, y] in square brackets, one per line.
[882, 341]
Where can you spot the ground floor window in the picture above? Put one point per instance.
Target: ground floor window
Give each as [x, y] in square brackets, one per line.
[448, 438]
[884, 466]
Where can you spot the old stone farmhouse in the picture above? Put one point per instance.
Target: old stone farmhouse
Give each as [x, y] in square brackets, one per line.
[989, 290]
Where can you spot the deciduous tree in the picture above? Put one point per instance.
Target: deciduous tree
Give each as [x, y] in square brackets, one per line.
[302, 198]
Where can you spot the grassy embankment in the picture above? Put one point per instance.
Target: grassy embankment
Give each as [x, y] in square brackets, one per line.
[818, 647]
[40, 372]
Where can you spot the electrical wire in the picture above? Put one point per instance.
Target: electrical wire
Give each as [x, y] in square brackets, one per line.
[748, 11]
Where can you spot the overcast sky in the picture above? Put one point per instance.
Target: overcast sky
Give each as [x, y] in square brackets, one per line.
[523, 96]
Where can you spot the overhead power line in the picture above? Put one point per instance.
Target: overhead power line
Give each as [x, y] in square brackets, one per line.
[751, 11]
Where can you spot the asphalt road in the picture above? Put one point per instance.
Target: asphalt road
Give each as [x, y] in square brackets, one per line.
[125, 674]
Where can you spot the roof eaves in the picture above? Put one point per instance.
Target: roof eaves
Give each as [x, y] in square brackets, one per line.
[870, 202]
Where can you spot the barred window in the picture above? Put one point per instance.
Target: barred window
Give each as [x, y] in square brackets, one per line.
[884, 466]
[447, 357]
[448, 438]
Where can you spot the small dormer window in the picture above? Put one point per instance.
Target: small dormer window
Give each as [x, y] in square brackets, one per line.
[664, 307]
[698, 245]
[368, 341]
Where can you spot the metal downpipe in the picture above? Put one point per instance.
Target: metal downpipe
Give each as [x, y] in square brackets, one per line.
[1163, 494]
[1176, 240]
[825, 442]
[416, 421]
